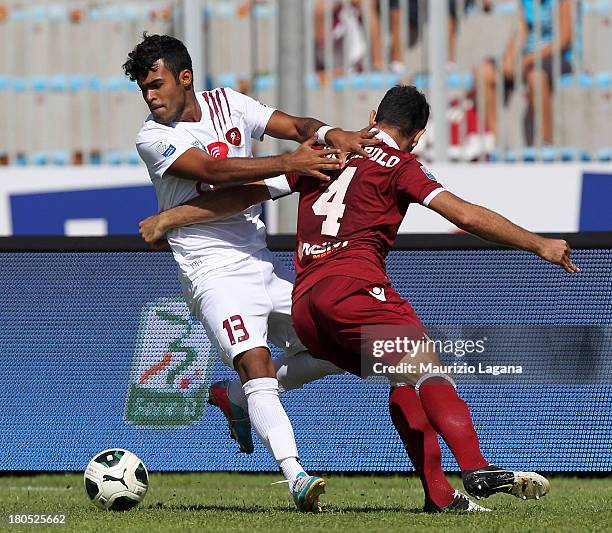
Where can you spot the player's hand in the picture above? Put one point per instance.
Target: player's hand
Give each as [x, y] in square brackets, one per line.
[557, 251]
[307, 161]
[152, 231]
[352, 142]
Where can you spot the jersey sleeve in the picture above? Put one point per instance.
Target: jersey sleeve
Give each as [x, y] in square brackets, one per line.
[283, 185]
[159, 147]
[416, 183]
[256, 115]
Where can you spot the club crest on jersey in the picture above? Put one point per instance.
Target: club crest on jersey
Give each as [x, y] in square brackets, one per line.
[234, 137]
[428, 173]
[218, 150]
[165, 148]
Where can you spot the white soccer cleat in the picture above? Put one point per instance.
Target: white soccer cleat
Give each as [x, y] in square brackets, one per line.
[484, 482]
[529, 486]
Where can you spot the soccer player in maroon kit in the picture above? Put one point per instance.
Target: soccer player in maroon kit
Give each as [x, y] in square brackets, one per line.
[345, 229]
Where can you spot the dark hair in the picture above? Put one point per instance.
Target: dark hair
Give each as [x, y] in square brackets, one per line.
[153, 47]
[404, 108]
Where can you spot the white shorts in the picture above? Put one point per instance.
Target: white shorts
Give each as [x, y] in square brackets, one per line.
[244, 305]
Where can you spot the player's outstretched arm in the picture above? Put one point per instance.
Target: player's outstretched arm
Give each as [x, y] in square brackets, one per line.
[493, 227]
[208, 207]
[197, 165]
[284, 126]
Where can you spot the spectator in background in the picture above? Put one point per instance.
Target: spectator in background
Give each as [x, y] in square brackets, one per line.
[395, 28]
[349, 44]
[417, 15]
[453, 23]
[525, 46]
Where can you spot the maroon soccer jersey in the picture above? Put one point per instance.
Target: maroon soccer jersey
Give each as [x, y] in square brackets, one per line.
[347, 226]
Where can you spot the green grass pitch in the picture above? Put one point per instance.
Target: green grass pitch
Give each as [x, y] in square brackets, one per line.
[248, 502]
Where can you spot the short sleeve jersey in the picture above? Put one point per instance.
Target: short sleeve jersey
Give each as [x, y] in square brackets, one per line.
[347, 226]
[230, 120]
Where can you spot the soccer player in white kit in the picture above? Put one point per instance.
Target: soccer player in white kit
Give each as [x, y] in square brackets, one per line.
[230, 280]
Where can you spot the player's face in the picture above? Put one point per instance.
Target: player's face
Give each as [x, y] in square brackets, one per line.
[163, 94]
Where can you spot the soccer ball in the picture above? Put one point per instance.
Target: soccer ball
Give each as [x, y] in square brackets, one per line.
[116, 479]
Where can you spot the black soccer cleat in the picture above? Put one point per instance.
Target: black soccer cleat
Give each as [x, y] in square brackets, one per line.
[491, 479]
[461, 503]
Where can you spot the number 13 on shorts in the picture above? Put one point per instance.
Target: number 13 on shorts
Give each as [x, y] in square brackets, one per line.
[235, 329]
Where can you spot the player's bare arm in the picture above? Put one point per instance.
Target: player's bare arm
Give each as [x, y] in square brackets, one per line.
[494, 227]
[208, 207]
[284, 126]
[195, 164]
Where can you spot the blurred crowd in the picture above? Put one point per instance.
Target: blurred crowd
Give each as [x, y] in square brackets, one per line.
[531, 56]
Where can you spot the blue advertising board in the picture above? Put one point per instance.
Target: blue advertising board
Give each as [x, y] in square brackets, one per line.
[99, 351]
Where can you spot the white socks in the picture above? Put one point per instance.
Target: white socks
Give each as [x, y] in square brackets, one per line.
[292, 372]
[290, 468]
[271, 424]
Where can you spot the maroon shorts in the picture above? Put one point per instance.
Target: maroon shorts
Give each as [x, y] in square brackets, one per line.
[330, 316]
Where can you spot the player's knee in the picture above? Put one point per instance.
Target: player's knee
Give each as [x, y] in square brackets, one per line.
[254, 363]
[434, 379]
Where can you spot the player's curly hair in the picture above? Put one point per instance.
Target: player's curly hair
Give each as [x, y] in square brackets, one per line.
[153, 47]
[404, 108]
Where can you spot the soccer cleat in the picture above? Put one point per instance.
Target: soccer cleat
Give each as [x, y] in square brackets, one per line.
[460, 503]
[237, 417]
[489, 480]
[306, 491]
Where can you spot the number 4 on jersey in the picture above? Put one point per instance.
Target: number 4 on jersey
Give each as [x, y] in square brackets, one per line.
[331, 203]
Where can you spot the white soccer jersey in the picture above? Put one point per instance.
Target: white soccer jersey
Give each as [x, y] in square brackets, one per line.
[230, 120]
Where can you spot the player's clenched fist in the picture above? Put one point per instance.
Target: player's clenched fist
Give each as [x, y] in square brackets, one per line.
[152, 231]
[557, 251]
[307, 161]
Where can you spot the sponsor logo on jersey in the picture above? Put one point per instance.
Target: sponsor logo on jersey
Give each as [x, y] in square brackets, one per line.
[428, 173]
[165, 148]
[378, 293]
[172, 359]
[318, 251]
[234, 137]
[218, 150]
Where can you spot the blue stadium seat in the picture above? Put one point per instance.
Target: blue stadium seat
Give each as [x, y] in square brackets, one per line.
[132, 157]
[21, 160]
[227, 79]
[95, 84]
[59, 157]
[76, 83]
[114, 157]
[40, 84]
[114, 84]
[58, 83]
[40, 158]
[605, 154]
[19, 84]
[264, 82]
